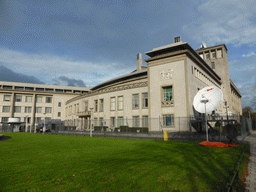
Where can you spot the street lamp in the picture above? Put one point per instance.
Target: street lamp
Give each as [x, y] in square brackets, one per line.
[27, 123]
[44, 124]
[91, 124]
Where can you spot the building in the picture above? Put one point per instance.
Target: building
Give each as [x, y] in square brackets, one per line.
[35, 102]
[159, 92]
[152, 96]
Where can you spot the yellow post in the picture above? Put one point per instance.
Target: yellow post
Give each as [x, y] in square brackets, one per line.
[166, 135]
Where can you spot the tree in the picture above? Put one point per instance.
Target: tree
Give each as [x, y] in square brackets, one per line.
[249, 111]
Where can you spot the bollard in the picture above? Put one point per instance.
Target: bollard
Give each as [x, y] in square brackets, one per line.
[166, 135]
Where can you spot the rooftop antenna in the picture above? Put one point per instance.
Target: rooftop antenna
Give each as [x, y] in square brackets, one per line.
[203, 45]
[207, 100]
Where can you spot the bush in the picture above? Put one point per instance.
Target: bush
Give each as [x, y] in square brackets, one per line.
[99, 128]
[231, 132]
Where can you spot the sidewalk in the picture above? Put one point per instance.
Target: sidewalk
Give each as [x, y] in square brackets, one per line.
[251, 179]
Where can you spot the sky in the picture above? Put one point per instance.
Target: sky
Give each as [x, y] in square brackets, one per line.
[86, 42]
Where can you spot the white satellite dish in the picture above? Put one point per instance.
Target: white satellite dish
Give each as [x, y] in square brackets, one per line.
[207, 100]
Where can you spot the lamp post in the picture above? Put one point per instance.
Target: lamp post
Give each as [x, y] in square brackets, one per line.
[27, 123]
[91, 124]
[204, 100]
[225, 102]
[44, 124]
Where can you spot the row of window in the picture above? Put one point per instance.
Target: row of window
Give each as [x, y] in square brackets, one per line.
[167, 121]
[17, 109]
[203, 77]
[39, 99]
[37, 119]
[42, 89]
[211, 54]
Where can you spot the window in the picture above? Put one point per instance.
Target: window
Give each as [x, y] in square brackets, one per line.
[207, 55]
[59, 114]
[145, 121]
[39, 99]
[18, 98]
[120, 121]
[17, 109]
[59, 90]
[112, 103]
[213, 54]
[101, 104]
[38, 120]
[219, 53]
[77, 107]
[74, 109]
[213, 65]
[47, 119]
[49, 90]
[5, 119]
[135, 121]
[112, 121]
[101, 121]
[28, 119]
[135, 101]
[39, 110]
[48, 99]
[39, 89]
[7, 97]
[7, 87]
[29, 88]
[120, 103]
[6, 109]
[28, 109]
[19, 88]
[145, 100]
[95, 122]
[28, 98]
[95, 105]
[86, 105]
[168, 120]
[48, 109]
[167, 95]
[59, 104]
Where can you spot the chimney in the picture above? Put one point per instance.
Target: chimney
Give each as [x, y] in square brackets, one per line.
[139, 61]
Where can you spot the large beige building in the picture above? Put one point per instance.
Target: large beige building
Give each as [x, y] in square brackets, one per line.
[35, 102]
[163, 90]
[151, 96]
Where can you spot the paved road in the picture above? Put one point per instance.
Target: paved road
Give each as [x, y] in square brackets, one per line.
[251, 179]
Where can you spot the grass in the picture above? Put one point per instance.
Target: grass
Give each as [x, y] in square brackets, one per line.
[37, 162]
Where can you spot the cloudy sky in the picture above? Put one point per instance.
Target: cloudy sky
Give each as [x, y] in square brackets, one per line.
[86, 42]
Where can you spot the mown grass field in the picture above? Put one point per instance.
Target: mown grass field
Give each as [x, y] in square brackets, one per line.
[37, 162]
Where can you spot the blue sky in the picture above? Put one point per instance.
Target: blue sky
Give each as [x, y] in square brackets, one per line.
[80, 42]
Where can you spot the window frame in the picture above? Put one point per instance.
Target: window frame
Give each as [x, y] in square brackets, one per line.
[172, 120]
[27, 100]
[6, 107]
[95, 105]
[26, 109]
[101, 105]
[114, 103]
[143, 98]
[4, 99]
[38, 108]
[16, 97]
[112, 122]
[136, 121]
[169, 103]
[17, 107]
[118, 121]
[143, 121]
[118, 107]
[46, 101]
[48, 108]
[133, 101]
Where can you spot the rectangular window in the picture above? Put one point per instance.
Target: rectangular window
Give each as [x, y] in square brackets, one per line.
[48, 109]
[112, 103]
[48, 100]
[7, 87]
[49, 90]
[47, 119]
[18, 98]
[39, 99]
[59, 114]
[120, 121]
[74, 112]
[168, 120]
[38, 120]
[5, 119]
[120, 103]
[213, 54]
[101, 121]
[135, 121]
[135, 101]
[213, 65]
[145, 121]
[28, 98]
[28, 119]
[39, 89]
[207, 55]
[39, 110]
[59, 90]
[219, 53]
[19, 88]
[86, 105]
[167, 93]
[17, 109]
[77, 107]
[145, 100]
[29, 88]
[28, 109]
[101, 104]
[59, 104]
[7, 97]
[95, 105]
[95, 122]
[6, 109]
[112, 121]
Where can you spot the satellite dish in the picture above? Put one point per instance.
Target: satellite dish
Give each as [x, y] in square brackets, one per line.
[210, 96]
[207, 100]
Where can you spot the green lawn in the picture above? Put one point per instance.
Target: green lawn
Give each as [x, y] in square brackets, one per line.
[37, 162]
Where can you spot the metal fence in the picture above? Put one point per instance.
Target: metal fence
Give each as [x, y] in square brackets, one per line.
[179, 128]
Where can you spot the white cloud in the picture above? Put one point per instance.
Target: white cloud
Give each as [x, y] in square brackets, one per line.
[224, 22]
[249, 54]
[47, 66]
